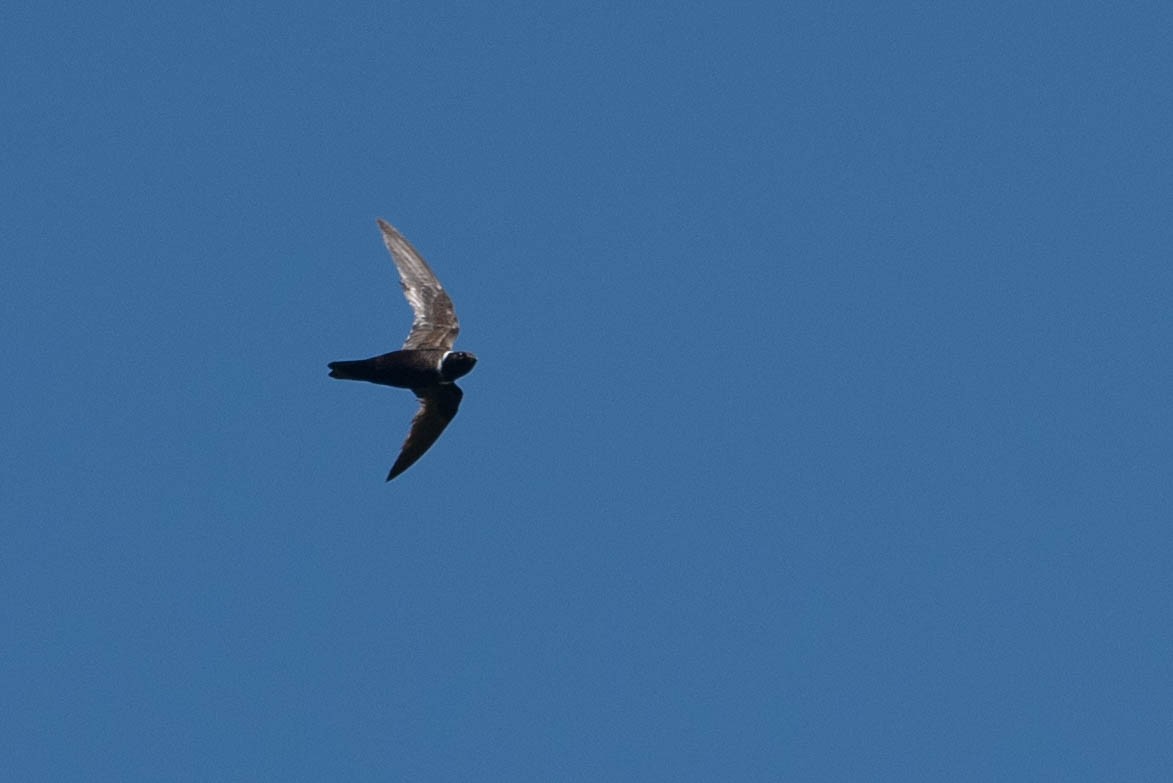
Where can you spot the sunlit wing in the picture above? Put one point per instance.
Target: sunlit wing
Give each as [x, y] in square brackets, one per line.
[434, 324]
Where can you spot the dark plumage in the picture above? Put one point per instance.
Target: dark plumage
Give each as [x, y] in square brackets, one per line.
[426, 364]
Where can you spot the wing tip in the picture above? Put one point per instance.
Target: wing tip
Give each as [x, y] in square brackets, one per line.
[399, 467]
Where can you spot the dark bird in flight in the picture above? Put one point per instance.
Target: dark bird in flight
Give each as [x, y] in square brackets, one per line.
[427, 364]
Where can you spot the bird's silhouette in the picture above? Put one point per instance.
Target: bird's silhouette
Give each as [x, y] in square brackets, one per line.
[426, 364]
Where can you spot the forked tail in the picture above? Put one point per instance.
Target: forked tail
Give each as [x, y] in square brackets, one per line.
[351, 371]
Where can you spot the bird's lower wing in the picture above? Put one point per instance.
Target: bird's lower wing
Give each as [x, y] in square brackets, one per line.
[438, 405]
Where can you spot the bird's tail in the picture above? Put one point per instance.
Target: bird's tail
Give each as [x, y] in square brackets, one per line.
[359, 370]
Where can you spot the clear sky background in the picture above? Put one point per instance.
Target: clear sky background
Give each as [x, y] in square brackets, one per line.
[821, 431]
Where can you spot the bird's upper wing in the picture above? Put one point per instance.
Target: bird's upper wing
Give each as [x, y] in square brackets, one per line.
[438, 406]
[435, 324]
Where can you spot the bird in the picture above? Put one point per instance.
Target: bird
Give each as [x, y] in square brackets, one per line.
[426, 364]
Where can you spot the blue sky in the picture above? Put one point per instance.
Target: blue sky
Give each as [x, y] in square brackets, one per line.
[821, 429]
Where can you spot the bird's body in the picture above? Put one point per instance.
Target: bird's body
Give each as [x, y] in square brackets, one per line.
[406, 369]
[426, 364]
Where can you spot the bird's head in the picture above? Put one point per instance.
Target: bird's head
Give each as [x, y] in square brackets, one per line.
[456, 364]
